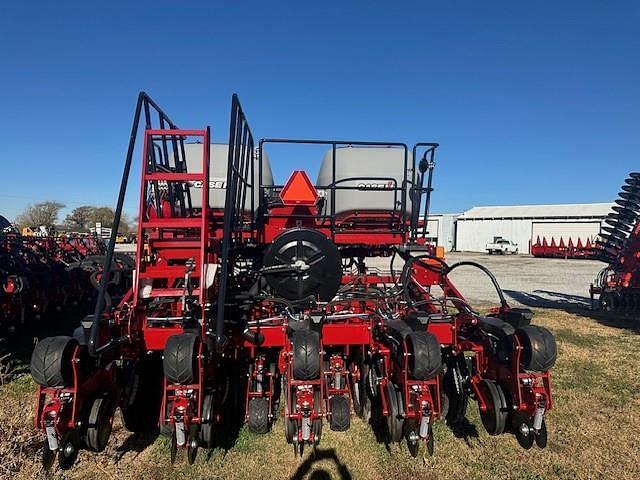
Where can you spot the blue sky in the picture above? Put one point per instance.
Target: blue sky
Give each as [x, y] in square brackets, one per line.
[532, 102]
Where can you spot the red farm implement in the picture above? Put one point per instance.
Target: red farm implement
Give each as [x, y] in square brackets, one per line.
[276, 283]
[617, 286]
[42, 276]
[560, 249]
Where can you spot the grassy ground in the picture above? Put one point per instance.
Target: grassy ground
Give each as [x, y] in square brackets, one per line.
[593, 431]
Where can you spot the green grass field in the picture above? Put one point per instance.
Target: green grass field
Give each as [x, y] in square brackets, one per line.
[594, 431]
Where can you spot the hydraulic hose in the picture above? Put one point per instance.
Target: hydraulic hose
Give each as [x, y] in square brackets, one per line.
[494, 281]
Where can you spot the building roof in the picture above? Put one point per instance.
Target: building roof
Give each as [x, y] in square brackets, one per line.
[574, 210]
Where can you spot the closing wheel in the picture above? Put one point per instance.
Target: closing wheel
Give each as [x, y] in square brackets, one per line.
[174, 446]
[68, 451]
[541, 435]
[522, 429]
[306, 355]
[395, 421]
[340, 413]
[99, 424]
[192, 444]
[430, 441]
[207, 427]
[494, 418]
[412, 436]
[258, 415]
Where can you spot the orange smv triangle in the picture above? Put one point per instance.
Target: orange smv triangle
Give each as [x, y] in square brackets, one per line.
[299, 190]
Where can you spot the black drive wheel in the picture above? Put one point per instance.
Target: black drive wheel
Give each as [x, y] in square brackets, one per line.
[68, 450]
[425, 357]
[494, 418]
[340, 413]
[306, 355]
[99, 424]
[180, 359]
[395, 421]
[539, 348]
[51, 361]
[521, 426]
[142, 397]
[207, 428]
[258, 415]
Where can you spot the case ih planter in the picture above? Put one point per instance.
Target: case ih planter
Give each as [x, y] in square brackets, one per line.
[274, 282]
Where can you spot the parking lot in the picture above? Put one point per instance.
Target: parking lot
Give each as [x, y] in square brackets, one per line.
[529, 281]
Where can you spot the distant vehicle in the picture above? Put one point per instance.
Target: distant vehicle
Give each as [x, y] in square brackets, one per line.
[502, 246]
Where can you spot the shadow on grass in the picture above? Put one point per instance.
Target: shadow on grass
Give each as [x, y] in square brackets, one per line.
[464, 430]
[577, 305]
[321, 474]
[136, 442]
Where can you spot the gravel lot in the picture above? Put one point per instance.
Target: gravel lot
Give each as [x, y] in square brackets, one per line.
[535, 282]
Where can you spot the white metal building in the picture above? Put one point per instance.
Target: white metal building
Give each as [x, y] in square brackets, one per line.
[441, 229]
[525, 224]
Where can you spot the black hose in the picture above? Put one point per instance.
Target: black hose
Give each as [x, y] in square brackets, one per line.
[503, 301]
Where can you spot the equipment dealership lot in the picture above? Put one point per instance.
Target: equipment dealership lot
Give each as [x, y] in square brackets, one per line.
[537, 282]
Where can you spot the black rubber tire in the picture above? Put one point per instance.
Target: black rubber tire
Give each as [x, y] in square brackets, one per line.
[141, 402]
[539, 348]
[340, 413]
[180, 359]
[258, 415]
[425, 357]
[51, 362]
[306, 355]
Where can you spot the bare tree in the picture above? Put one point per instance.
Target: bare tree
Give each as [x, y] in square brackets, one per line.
[40, 214]
[79, 220]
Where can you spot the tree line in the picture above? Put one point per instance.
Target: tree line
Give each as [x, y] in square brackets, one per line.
[80, 219]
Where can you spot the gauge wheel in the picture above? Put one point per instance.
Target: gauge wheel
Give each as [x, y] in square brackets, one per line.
[494, 418]
[395, 421]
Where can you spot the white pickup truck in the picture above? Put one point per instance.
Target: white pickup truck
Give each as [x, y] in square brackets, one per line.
[502, 246]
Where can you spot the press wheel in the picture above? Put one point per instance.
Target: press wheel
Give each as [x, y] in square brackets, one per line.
[48, 457]
[541, 435]
[192, 444]
[174, 446]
